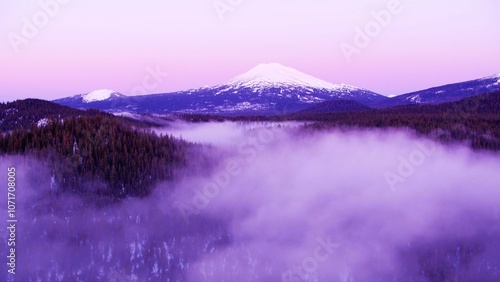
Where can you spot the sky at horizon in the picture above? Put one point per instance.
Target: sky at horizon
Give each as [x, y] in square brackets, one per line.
[51, 49]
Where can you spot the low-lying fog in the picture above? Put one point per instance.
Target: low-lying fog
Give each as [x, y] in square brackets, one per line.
[280, 204]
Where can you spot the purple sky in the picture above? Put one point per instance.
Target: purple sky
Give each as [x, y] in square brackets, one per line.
[86, 45]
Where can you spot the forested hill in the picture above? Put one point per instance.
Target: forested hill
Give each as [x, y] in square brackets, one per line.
[24, 113]
[90, 151]
[474, 121]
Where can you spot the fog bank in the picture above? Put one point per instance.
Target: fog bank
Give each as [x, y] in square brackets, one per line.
[279, 205]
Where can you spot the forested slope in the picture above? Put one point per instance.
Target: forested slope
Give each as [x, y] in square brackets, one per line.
[91, 151]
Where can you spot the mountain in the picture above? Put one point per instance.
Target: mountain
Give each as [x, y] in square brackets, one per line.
[271, 89]
[273, 79]
[446, 93]
[100, 95]
[265, 89]
[335, 106]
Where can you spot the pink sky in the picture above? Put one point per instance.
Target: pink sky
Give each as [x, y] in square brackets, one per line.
[80, 46]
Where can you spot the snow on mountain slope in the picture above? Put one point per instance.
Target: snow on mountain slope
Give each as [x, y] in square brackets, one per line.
[276, 75]
[497, 76]
[448, 93]
[264, 89]
[99, 95]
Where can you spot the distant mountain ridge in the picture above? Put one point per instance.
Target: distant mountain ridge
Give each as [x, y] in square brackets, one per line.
[264, 89]
[447, 93]
[99, 95]
[270, 89]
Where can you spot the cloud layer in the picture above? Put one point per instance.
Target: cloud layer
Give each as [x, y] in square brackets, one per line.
[282, 205]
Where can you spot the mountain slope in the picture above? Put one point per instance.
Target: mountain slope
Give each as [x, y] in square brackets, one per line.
[479, 105]
[335, 106]
[485, 104]
[265, 89]
[447, 93]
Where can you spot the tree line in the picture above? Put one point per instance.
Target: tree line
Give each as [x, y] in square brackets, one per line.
[99, 154]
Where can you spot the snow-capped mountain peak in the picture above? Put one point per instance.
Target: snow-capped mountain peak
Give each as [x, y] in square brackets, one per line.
[100, 95]
[276, 75]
